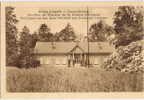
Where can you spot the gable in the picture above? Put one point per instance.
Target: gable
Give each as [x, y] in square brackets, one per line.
[77, 49]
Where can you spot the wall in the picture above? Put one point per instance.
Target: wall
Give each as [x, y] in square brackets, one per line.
[61, 60]
[52, 60]
[97, 60]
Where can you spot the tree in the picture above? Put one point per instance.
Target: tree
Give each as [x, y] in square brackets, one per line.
[34, 39]
[128, 23]
[44, 33]
[11, 37]
[25, 56]
[100, 31]
[66, 34]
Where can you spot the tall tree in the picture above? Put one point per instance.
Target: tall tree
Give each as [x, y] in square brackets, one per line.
[128, 23]
[66, 34]
[100, 31]
[25, 57]
[44, 33]
[34, 39]
[11, 36]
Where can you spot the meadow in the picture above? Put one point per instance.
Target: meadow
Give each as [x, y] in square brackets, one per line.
[62, 79]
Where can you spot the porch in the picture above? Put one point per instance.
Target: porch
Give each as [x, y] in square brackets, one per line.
[78, 60]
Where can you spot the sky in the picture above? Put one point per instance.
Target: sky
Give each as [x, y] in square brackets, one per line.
[80, 25]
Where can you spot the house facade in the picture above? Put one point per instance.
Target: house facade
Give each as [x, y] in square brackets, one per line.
[72, 54]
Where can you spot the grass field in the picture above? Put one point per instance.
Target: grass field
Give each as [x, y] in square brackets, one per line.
[60, 79]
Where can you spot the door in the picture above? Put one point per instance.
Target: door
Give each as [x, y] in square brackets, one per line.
[77, 59]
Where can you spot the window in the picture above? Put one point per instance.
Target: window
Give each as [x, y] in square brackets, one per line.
[63, 60]
[41, 60]
[96, 61]
[58, 61]
[44, 60]
[92, 59]
[105, 58]
[53, 60]
[47, 60]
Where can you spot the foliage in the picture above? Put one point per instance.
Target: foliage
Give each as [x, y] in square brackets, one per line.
[11, 37]
[25, 56]
[66, 34]
[44, 33]
[100, 31]
[127, 58]
[128, 23]
[34, 39]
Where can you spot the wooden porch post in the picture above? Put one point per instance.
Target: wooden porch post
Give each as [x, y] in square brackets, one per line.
[85, 60]
[81, 59]
[73, 59]
[68, 60]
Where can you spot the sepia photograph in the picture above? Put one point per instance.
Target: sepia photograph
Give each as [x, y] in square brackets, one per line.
[85, 48]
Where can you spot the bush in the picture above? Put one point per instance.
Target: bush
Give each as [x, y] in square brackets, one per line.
[127, 58]
[27, 62]
[35, 63]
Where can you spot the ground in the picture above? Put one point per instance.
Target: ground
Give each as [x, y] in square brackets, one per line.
[64, 79]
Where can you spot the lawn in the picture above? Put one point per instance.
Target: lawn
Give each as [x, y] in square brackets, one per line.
[62, 79]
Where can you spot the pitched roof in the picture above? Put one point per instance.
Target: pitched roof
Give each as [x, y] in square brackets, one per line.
[66, 47]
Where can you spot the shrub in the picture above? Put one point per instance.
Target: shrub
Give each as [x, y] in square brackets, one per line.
[27, 62]
[127, 58]
[35, 63]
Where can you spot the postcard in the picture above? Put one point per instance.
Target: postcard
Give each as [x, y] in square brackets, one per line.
[72, 49]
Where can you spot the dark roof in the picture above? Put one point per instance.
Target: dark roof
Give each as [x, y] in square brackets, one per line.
[66, 47]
